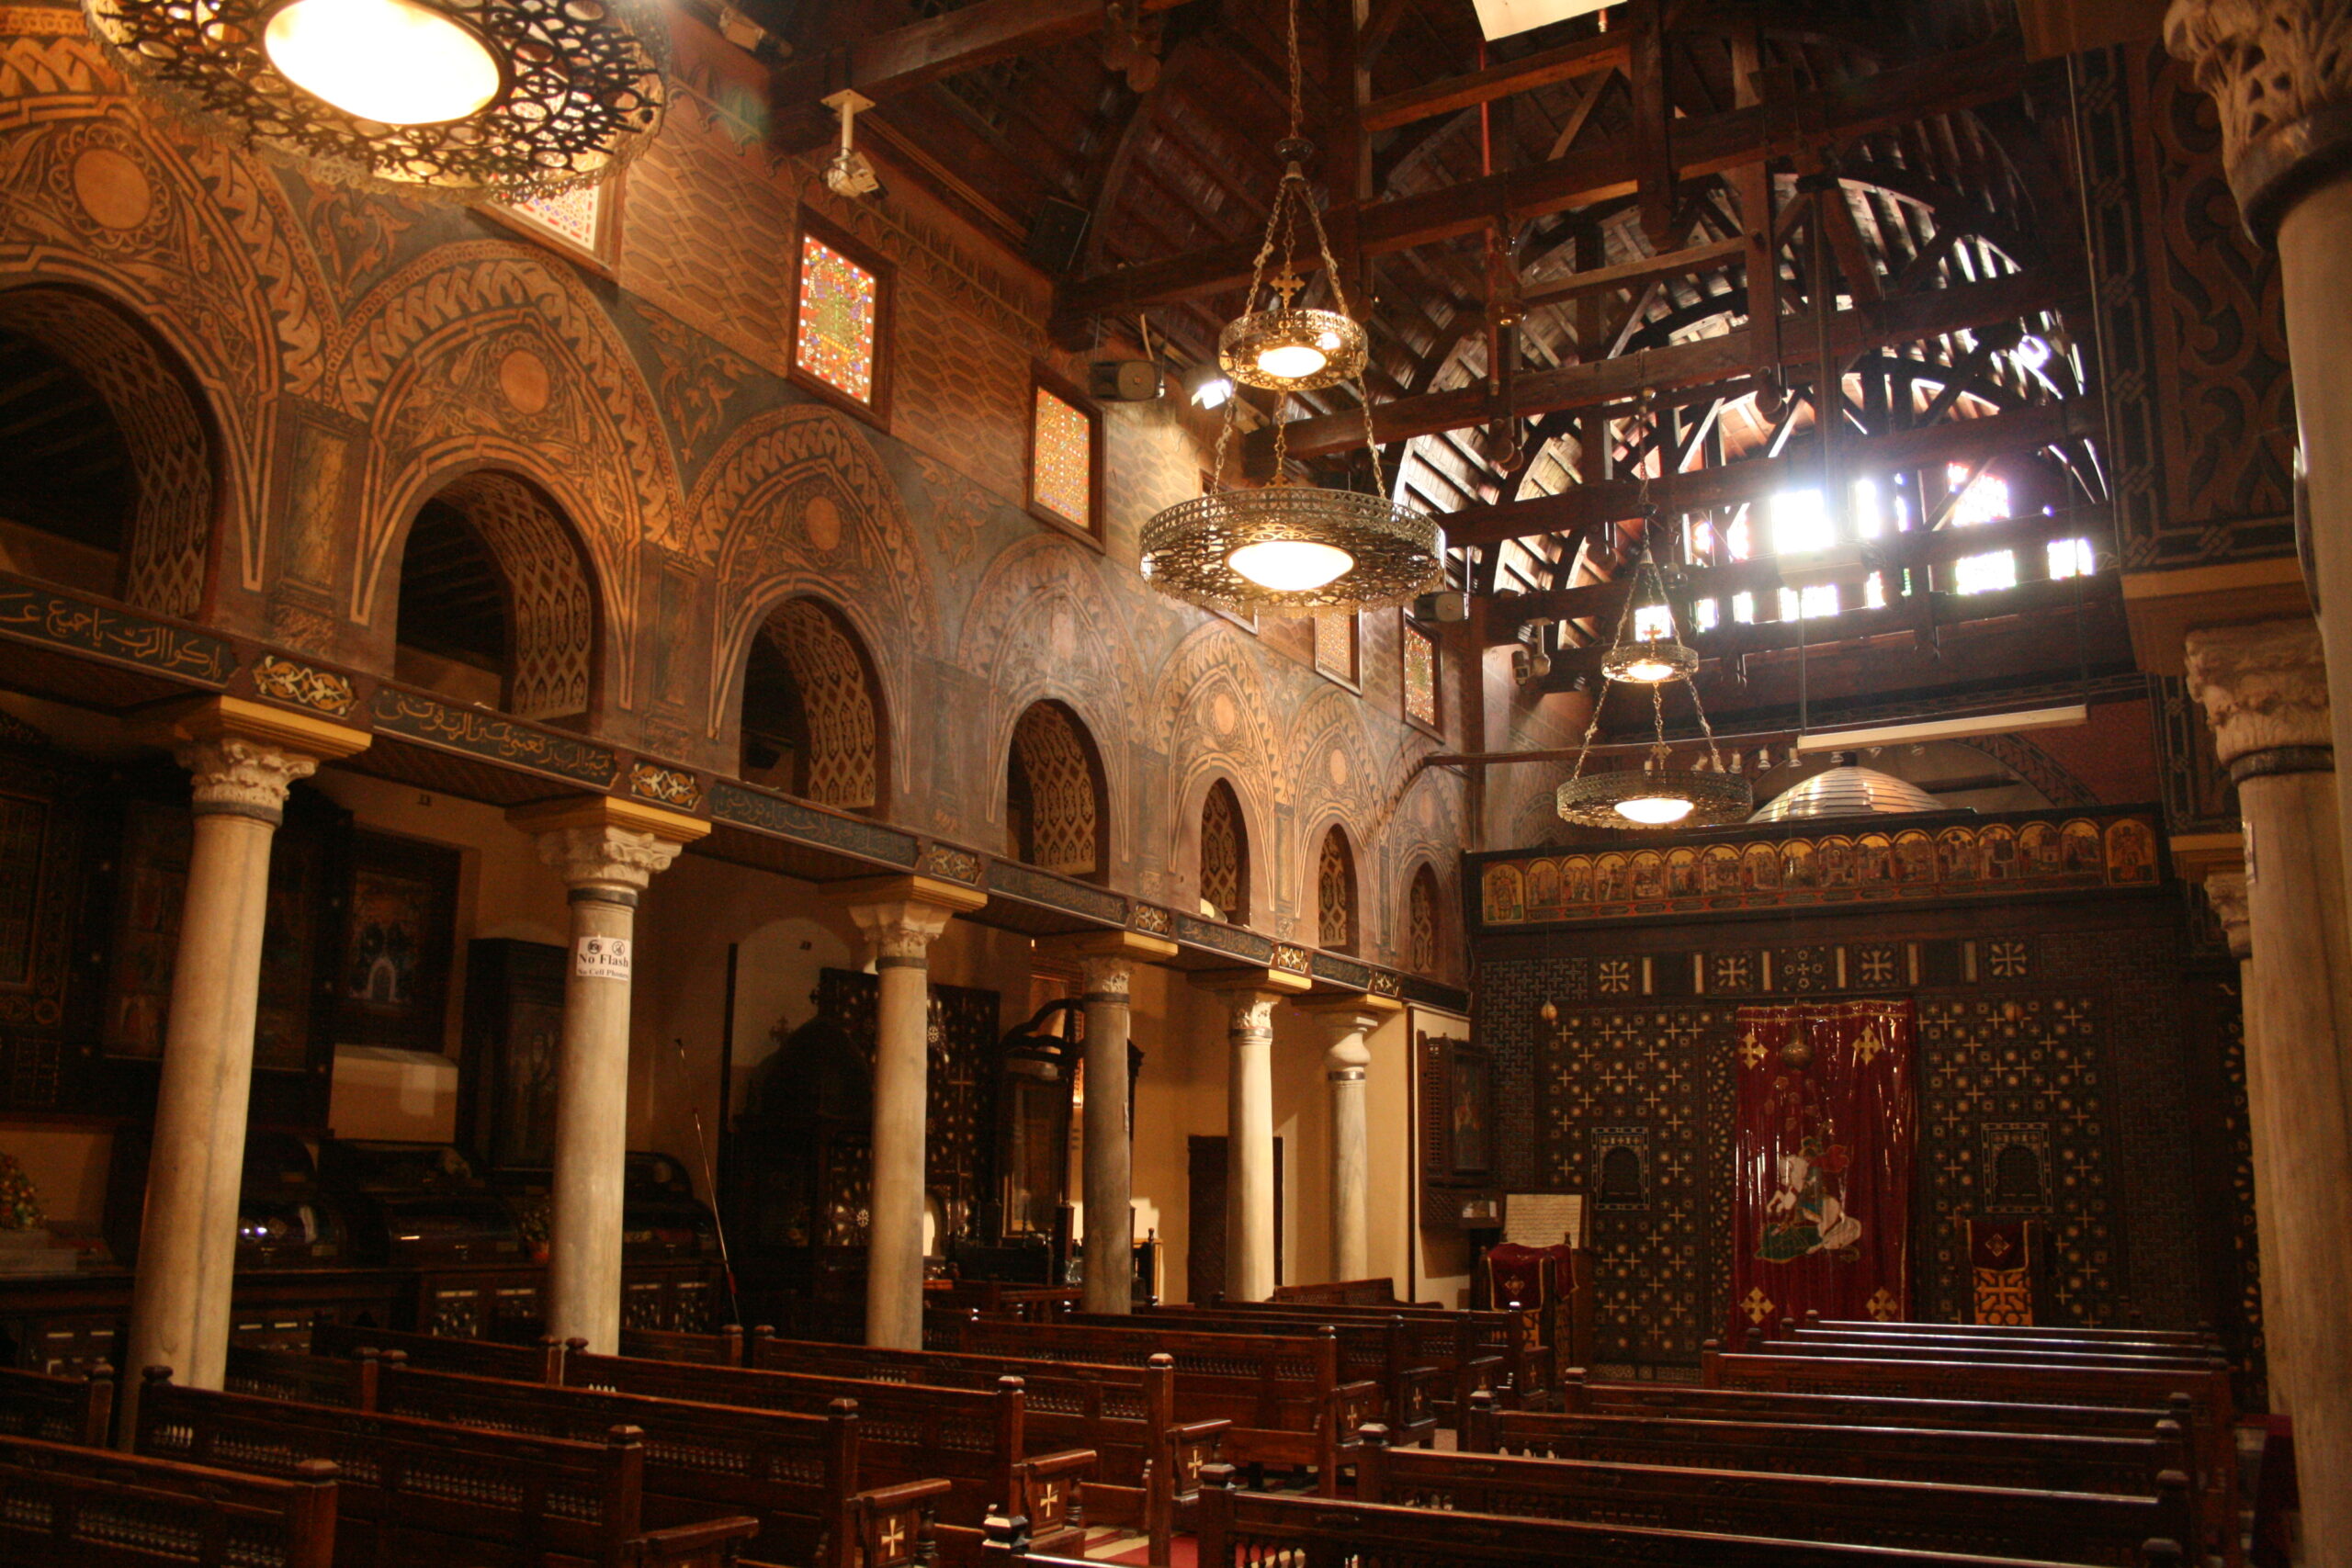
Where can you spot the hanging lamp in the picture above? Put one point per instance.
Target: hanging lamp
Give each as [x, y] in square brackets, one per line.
[456, 99]
[1286, 547]
[1659, 794]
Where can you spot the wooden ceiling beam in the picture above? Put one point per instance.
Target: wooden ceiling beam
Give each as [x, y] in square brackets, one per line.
[1707, 363]
[1586, 57]
[1703, 146]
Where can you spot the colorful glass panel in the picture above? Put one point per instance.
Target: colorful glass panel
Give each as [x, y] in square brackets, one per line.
[571, 215]
[1062, 460]
[1420, 675]
[833, 332]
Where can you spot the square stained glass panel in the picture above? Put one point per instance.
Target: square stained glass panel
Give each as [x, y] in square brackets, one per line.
[1061, 459]
[833, 327]
[1335, 643]
[1420, 675]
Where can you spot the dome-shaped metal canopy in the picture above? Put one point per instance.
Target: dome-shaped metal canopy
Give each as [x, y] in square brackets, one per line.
[1846, 791]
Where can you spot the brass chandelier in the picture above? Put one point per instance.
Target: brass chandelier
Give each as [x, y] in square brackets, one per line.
[460, 99]
[1288, 546]
[1659, 794]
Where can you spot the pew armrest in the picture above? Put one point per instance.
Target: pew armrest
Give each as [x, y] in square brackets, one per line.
[1198, 1443]
[713, 1543]
[892, 1525]
[1416, 1392]
[1353, 1405]
[1053, 1490]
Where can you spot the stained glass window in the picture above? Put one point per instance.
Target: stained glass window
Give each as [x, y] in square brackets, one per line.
[571, 215]
[833, 332]
[1420, 675]
[1062, 460]
[1335, 643]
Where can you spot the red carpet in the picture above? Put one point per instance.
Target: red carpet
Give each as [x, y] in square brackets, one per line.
[1183, 1551]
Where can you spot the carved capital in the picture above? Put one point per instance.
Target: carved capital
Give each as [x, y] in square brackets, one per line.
[900, 929]
[1106, 975]
[231, 773]
[2264, 688]
[2281, 73]
[606, 857]
[1249, 1015]
[2226, 891]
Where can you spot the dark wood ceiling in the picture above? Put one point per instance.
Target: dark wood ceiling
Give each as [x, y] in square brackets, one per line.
[1581, 255]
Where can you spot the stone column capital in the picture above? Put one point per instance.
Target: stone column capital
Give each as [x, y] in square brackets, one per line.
[901, 916]
[1251, 995]
[2281, 73]
[1106, 960]
[246, 755]
[601, 843]
[2226, 891]
[2264, 688]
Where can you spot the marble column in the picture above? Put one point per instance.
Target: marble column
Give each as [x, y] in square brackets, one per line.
[2225, 890]
[1346, 1021]
[242, 756]
[1249, 1218]
[2263, 690]
[1106, 963]
[901, 917]
[607, 851]
[2280, 74]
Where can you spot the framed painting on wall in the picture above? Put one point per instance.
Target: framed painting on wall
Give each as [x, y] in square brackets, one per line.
[391, 977]
[514, 1042]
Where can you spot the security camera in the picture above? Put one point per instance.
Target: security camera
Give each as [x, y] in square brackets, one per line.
[850, 173]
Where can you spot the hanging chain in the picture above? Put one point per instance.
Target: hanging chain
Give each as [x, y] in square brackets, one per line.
[1297, 93]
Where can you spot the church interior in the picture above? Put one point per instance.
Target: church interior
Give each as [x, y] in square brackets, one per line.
[845, 784]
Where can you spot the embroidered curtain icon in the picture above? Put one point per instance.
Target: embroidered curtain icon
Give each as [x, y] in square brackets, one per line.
[2000, 1267]
[1824, 1152]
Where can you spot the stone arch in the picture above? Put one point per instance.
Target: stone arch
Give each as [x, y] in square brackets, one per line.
[799, 504]
[1221, 853]
[1057, 799]
[1338, 892]
[166, 431]
[1213, 717]
[481, 355]
[555, 617]
[1045, 629]
[839, 723]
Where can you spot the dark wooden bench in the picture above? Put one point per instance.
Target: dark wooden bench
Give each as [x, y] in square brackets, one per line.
[348, 1382]
[432, 1495]
[57, 1409]
[66, 1505]
[2069, 1525]
[2039, 1462]
[1283, 1393]
[1148, 1460]
[1375, 1350]
[1859, 1346]
[724, 1348]
[541, 1361]
[2207, 1416]
[1453, 1339]
[2194, 1338]
[975, 1440]
[1379, 1292]
[1245, 1528]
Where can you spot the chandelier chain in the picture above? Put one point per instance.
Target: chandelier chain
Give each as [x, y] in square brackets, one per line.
[1297, 93]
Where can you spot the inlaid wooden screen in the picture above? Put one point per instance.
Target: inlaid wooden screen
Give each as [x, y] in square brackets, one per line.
[1225, 863]
[1335, 892]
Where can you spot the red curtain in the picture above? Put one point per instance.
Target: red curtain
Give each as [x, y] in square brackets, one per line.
[1822, 1212]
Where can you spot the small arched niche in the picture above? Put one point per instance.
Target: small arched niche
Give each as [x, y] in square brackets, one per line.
[1057, 807]
[812, 720]
[1224, 856]
[108, 483]
[1421, 905]
[496, 604]
[1338, 919]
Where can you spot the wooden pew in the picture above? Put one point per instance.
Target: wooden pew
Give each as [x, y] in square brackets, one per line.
[421, 1493]
[972, 1438]
[724, 1348]
[2130, 1464]
[2195, 1338]
[2209, 1415]
[348, 1382]
[1375, 1350]
[1281, 1392]
[2043, 1345]
[63, 1506]
[1148, 1461]
[1379, 1292]
[1832, 1342]
[1456, 1341]
[57, 1409]
[2089, 1526]
[1245, 1528]
[977, 1440]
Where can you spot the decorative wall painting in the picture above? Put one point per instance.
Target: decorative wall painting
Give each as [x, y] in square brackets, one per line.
[390, 987]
